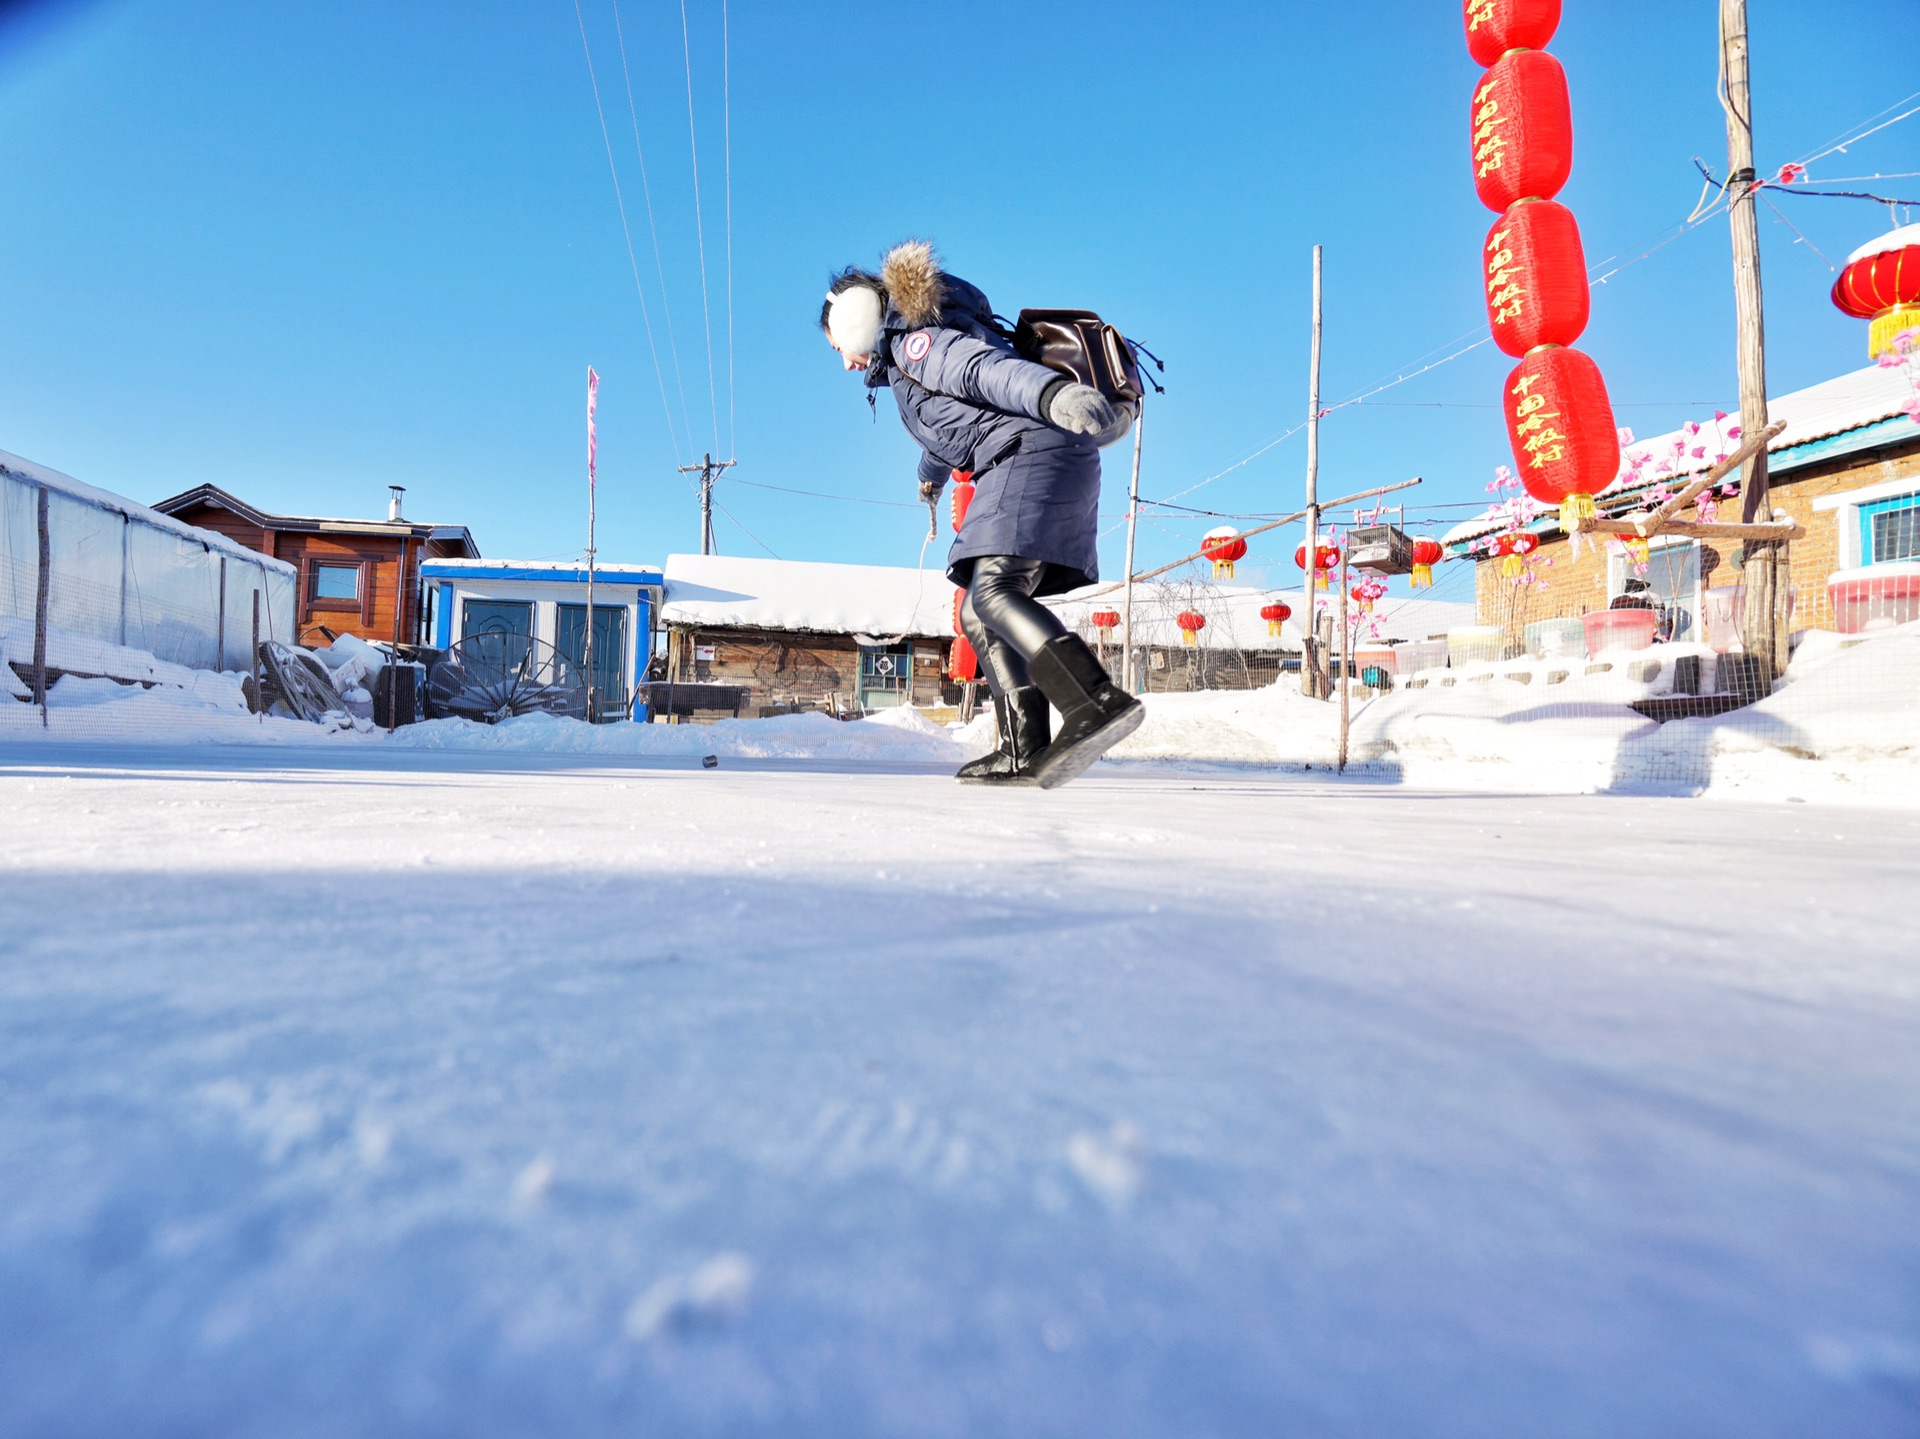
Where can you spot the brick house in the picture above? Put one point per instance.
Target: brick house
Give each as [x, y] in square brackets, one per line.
[1846, 468]
[357, 577]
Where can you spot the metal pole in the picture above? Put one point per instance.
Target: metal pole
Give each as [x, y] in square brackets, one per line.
[1128, 669]
[259, 700]
[588, 661]
[1346, 656]
[42, 593]
[1309, 683]
[1763, 635]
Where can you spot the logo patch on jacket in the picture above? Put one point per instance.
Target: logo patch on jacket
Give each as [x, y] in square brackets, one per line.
[918, 344]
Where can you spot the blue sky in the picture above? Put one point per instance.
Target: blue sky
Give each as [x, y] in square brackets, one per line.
[306, 251]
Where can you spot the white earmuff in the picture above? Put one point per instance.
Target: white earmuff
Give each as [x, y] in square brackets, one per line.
[853, 321]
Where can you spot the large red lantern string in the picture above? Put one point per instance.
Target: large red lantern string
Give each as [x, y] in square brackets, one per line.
[962, 662]
[1558, 415]
[1223, 546]
[1275, 615]
[1536, 276]
[1426, 554]
[1882, 283]
[1497, 26]
[1190, 626]
[1522, 130]
[962, 497]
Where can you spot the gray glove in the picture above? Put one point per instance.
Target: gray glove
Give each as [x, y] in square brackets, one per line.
[930, 491]
[1079, 409]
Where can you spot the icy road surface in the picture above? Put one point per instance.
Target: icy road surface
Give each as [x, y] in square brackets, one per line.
[430, 1094]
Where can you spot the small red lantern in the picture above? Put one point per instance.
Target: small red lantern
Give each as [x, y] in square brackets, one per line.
[1276, 615]
[962, 497]
[1515, 545]
[1536, 275]
[1882, 283]
[1426, 554]
[1497, 26]
[1560, 423]
[1522, 130]
[1365, 593]
[1325, 557]
[1190, 626]
[962, 662]
[1223, 546]
[1105, 619]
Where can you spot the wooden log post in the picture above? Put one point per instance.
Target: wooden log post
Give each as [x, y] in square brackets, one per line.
[1309, 679]
[1764, 631]
[42, 593]
[1346, 658]
[220, 624]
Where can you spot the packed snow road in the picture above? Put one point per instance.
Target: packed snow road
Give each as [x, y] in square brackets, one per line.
[441, 1094]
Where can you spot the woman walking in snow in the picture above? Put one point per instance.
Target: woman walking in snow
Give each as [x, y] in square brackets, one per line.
[1031, 437]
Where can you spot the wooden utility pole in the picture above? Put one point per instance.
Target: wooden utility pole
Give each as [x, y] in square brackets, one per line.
[708, 469]
[1764, 632]
[1127, 675]
[1309, 676]
[1346, 659]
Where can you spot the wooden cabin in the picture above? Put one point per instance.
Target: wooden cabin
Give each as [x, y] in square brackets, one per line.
[357, 577]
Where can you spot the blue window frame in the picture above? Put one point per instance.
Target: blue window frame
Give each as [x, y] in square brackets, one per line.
[1890, 530]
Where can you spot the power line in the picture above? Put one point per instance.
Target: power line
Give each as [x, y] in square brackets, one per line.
[646, 191]
[726, 135]
[626, 230]
[699, 226]
[818, 495]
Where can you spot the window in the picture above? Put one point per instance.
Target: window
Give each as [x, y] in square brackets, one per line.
[886, 675]
[336, 582]
[1671, 585]
[1890, 530]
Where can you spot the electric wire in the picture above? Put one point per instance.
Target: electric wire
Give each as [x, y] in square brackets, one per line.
[626, 230]
[743, 529]
[653, 229]
[726, 137]
[699, 226]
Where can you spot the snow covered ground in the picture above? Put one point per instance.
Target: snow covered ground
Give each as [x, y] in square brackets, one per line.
[351, 1088]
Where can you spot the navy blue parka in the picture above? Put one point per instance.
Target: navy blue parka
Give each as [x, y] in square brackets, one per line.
[971, 403]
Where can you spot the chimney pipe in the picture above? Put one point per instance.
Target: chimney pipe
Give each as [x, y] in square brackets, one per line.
[393, 504]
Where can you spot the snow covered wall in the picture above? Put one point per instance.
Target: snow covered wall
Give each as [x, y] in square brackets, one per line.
[125, 575]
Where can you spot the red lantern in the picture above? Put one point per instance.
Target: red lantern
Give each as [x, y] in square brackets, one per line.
[1426, 554]
[1223, 546]
[1275, 615]
[1325, 557]
[1365, 593]
[1522, 130]
[1560, 423]
[1497, 26]
[1536, 277]
[962, 497]
[1105, 619]
[1882, 283]
[1190, 626]
[962, 662]
[1515, 545]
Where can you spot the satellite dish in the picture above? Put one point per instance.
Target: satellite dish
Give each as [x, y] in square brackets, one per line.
[494, 675]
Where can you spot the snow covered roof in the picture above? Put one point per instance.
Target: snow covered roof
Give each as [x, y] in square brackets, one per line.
[28, 471]
[569, 571]
[1233, 615]
[1873, 396]
[734, 592]
[456, 536]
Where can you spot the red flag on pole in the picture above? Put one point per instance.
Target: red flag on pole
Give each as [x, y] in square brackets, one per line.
[593, 395]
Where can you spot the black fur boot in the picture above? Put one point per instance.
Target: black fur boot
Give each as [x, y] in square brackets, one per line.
[1094, 714]
[1024, 722]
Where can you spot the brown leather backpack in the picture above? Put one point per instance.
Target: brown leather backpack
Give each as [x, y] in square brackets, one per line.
[1080, 344]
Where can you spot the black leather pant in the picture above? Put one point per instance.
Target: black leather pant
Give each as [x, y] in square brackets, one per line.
[1004, 623]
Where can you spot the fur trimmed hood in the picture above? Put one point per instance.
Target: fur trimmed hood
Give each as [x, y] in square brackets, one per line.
[915, 283]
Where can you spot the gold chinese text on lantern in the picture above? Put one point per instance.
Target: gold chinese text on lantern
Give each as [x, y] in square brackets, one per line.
[1505, 297]
[1545, 444]
[1489, 145]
